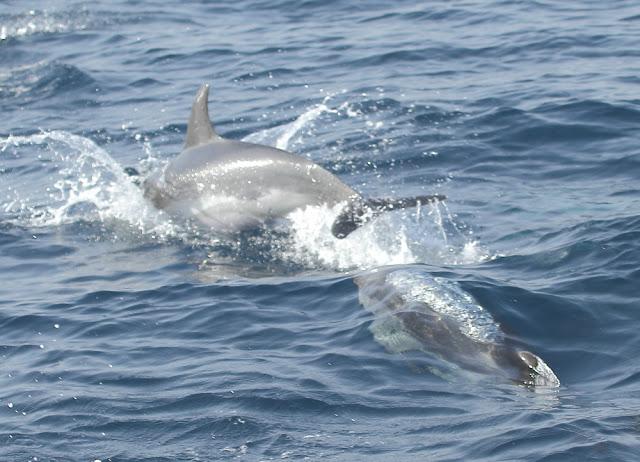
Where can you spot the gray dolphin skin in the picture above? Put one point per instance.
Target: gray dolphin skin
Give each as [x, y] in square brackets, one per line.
[415, 311]
[229, 186]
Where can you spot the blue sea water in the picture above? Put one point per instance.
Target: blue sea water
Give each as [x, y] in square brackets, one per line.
[125, 335]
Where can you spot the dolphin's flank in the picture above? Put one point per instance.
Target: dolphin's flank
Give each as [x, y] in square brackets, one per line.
[229, 186]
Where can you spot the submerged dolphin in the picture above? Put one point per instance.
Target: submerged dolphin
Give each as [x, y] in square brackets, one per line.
[415, 311]
[230, 185]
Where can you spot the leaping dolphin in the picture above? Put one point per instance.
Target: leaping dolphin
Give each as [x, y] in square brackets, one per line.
[228, 185]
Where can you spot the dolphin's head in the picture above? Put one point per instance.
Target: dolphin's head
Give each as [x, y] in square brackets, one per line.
[535, 372]
[524, 367]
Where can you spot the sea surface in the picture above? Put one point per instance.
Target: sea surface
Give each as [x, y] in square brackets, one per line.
[128, 335]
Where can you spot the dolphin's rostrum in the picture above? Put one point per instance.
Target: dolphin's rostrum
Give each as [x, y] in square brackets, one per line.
[228, 185]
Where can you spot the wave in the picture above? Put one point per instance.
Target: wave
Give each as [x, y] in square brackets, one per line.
[45, 83]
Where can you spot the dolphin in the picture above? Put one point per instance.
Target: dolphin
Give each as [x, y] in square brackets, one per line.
[230, 186]
[415, 311]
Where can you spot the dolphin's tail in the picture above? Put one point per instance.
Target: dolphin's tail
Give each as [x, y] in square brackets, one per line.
[361, 211]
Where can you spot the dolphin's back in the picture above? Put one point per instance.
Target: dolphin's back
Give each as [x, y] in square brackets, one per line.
[231, 185]
[244, 169]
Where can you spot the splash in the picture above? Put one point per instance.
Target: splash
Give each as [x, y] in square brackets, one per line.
[418, 235]
[280, 136]
[42, 22]
[313, 244]
[426, 234]
[79, 181]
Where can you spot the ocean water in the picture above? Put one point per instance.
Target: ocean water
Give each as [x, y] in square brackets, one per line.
[126, 335]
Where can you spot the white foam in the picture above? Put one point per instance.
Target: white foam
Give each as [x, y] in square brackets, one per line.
[35, 22]
[427, 234]
[312, 243]
[87, 179]
[416, 235]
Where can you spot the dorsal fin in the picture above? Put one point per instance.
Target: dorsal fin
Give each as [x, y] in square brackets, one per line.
[200, 129]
